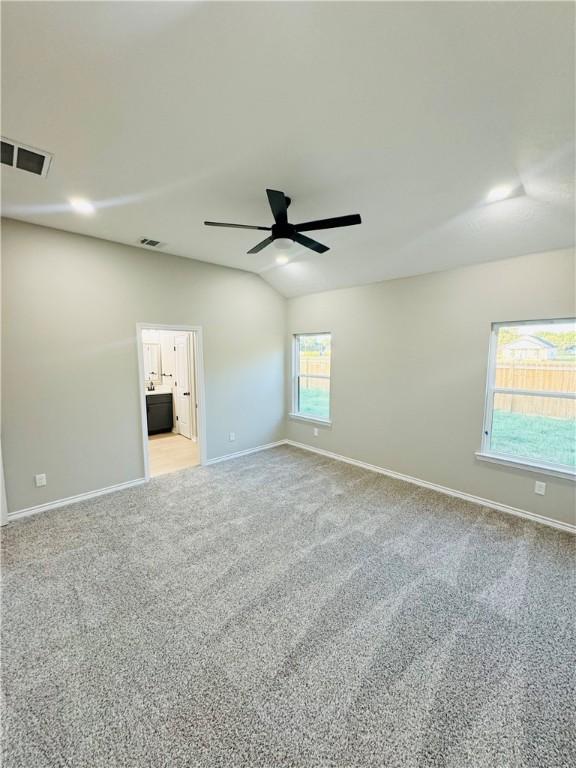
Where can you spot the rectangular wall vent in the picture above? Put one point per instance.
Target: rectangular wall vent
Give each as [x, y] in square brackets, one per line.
[25, 158]
[150, 243]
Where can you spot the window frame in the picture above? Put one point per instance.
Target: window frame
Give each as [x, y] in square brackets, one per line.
[294, 412]
[486, 453]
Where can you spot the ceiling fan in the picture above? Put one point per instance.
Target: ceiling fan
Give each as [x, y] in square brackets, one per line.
[282, 229]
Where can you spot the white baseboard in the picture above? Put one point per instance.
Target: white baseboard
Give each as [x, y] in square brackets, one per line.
[16, 515]
[567, 527]
[237, 455]
[441, 489]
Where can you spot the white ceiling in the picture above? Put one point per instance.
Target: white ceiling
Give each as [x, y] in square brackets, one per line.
[166, 114]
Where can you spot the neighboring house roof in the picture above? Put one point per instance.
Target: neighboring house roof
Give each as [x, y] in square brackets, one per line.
[529, 342]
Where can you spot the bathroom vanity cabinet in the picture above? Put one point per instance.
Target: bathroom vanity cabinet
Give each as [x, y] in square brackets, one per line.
[159, 412]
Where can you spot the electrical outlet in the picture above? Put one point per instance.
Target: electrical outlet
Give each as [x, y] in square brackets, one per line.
[232, 436]
[40, 480]
[315, 431]
[539, 488]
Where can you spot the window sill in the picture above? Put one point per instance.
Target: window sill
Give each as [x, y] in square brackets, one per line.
[311, 419]
[531, 466]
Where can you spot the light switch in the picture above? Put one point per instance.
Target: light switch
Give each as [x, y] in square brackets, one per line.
[539, 488]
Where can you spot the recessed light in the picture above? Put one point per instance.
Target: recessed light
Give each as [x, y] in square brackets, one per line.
[82, 206]
[282, 259]
[499, 193]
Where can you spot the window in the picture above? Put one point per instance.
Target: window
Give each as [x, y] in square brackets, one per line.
[530, 416]
[311, 372]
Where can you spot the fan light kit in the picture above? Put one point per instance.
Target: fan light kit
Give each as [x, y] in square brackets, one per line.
[283, 244]
[282, 259]
[284, 233]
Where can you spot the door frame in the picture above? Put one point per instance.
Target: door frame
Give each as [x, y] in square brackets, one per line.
[197, 373]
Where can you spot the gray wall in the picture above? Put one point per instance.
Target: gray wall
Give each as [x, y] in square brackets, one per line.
[409, 371]
[70, 372]
[409, 363]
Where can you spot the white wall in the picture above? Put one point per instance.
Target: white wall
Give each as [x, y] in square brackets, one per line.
[409, 362]
[69, 358]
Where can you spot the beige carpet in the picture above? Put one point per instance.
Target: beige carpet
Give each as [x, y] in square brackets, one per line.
[283, 610]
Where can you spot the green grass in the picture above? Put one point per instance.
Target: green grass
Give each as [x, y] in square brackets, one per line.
[535, 437]
[315, 403]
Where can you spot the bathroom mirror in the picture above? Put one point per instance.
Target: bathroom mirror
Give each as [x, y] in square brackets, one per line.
[152, 363]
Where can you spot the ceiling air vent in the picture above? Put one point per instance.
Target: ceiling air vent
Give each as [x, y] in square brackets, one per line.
[150, 243]
[25, 158]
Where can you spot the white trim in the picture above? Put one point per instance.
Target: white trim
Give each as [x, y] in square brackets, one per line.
[485, 453]
[17, 514]
[441, 489]
[199, 390]
[489, 397]
[531, 466]
[534, 393]
[567, 527]
[294, 372]
[3, 502]
[313, 419]
[237, 455]
[537, 321]
[142, 395]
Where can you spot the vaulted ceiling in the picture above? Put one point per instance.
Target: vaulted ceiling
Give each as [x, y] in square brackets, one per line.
[167, 114]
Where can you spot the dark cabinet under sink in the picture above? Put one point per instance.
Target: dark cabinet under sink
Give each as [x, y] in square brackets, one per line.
[159, 412]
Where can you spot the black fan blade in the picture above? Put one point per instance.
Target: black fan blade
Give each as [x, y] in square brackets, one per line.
[278, 205]
[309, 243]
[236, 226]
[337, 221]
[261, 245]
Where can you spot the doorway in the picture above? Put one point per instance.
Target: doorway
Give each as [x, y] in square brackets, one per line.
[171, 396]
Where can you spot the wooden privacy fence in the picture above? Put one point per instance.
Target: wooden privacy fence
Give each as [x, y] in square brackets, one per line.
[541, 376]
[315, 365]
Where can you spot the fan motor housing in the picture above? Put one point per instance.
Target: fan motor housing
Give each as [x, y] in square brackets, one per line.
[283, 230]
